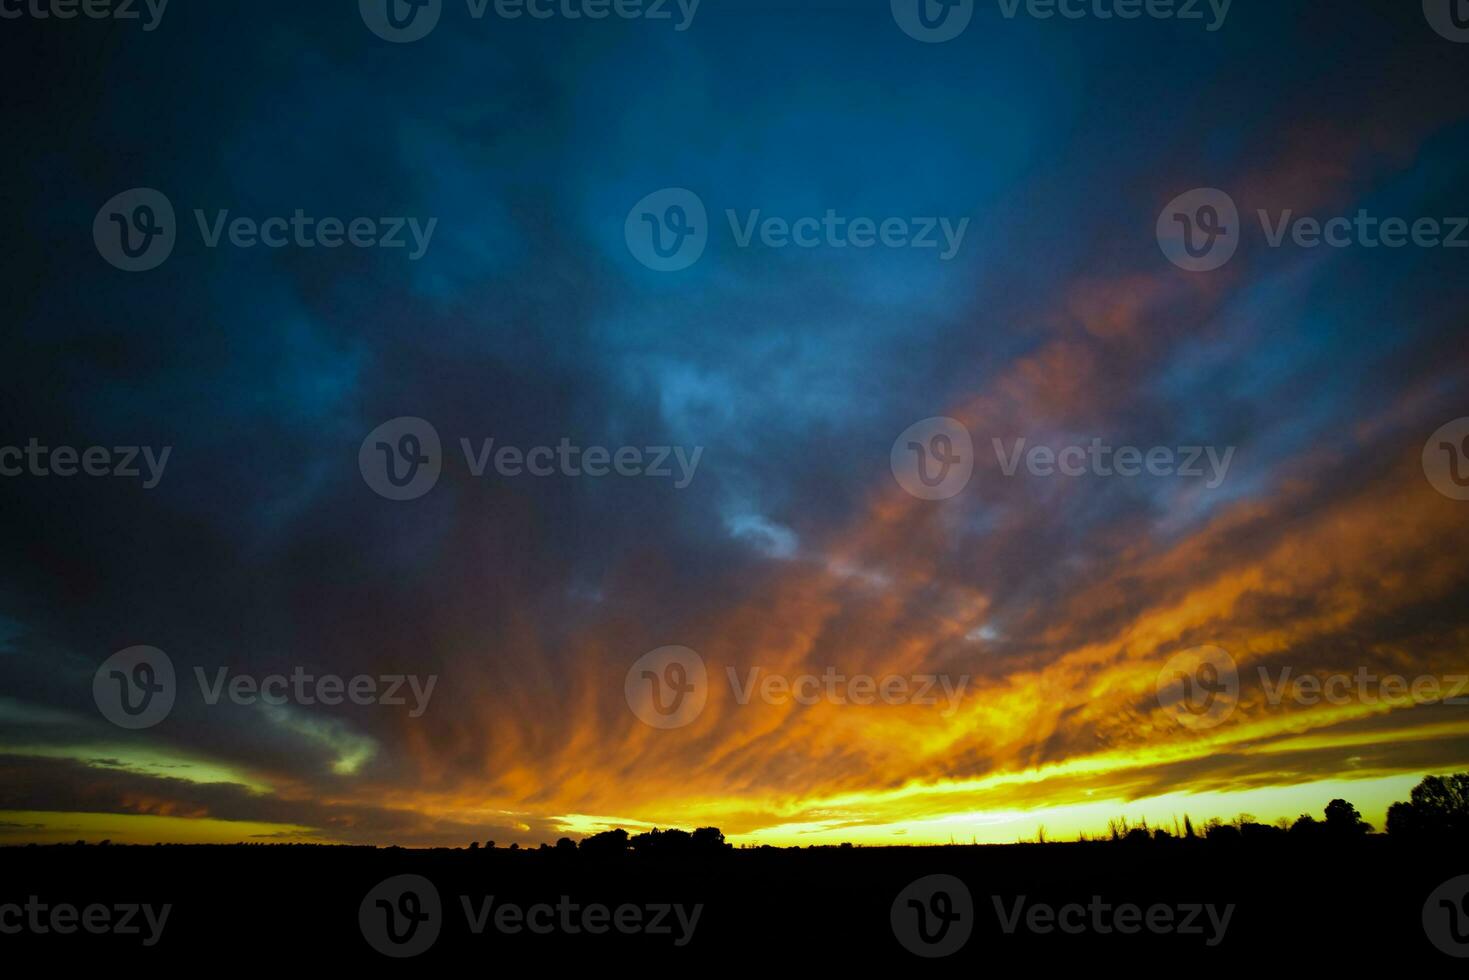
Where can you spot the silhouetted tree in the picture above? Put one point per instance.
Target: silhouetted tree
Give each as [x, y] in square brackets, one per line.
[609, 843]
[1343, 820]
[565, 845]
[1306, 826]
[1439, 807]
[709, 840]
[662, 843]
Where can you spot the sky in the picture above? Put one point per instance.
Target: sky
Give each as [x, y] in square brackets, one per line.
[789, 538]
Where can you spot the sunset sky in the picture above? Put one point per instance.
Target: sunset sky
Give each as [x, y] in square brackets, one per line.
[1324, 550]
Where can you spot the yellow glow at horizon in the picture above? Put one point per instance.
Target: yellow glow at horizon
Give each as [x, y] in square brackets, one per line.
[48, 827]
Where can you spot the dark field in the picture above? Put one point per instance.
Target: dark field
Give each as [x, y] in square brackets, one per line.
[1307, 904]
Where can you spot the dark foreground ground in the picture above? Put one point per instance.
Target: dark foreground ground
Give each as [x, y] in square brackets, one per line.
[1311, 905]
